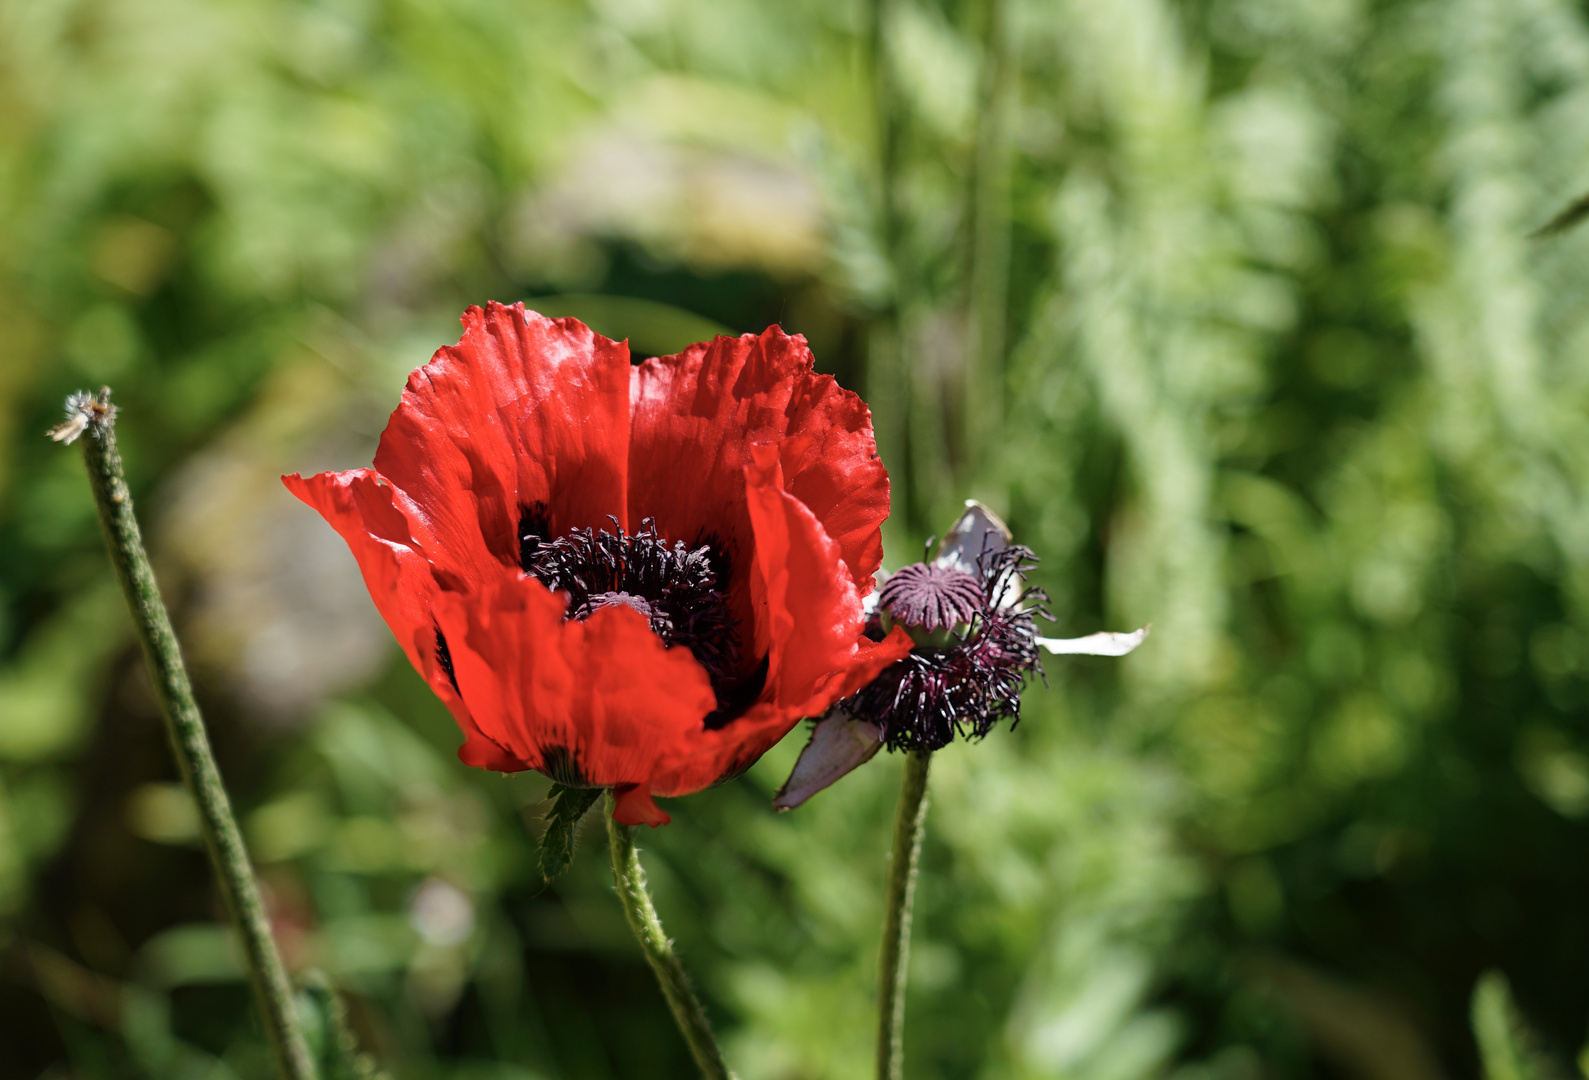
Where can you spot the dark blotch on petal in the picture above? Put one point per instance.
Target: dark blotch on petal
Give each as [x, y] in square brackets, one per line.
[737, 767]
[444, 658]
[560, 763]
[533, 529]
[732, 701]
[718, 554]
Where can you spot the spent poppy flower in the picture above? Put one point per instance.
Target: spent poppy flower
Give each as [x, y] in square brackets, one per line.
[974, 625]
[629, 576]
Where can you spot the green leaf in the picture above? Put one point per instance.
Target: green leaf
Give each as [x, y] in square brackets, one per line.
[1508, 1047]
[562, 819]
[325, 1021]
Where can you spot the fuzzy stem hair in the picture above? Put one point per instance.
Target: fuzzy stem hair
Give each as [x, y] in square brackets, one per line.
[910, 820]
[658, 949]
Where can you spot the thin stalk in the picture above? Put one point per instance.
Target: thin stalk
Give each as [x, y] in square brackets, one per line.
[908, 397]
[889, 127]
[189, 742]
[887, 375]
[990, 241]
[647, 928]
[910, 819]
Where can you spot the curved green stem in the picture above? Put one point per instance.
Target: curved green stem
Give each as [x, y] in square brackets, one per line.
[910, 819]
[94, 417]
[642, 916]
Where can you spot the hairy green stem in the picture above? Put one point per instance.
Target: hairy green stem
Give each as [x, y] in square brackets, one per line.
[222, 840]
[910, 818]
[647, 928]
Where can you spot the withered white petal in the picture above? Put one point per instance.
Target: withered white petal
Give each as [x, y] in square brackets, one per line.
[1100, 644]
[838, 745]
[869, 601]
[978, 532]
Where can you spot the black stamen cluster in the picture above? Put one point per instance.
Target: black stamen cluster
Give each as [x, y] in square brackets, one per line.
[969, 686]
[674, 586]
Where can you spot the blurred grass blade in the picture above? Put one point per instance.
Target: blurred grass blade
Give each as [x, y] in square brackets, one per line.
[1567, 218]
[1507, 1047]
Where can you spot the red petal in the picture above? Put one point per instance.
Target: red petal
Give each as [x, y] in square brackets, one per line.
[378, 527]
[696, 414]
[738, 439]
[482, 753]
[602, 696]
[523, 410]
[808, 623]
[813, 609]
[635, 806]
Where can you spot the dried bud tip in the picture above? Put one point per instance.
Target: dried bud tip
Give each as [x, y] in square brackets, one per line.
[84, 410]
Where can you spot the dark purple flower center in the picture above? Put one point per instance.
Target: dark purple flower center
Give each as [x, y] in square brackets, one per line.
[681, 590]
[932, 597]
[972, 680]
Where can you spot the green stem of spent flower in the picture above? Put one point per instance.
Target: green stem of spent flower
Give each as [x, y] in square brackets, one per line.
[642, 916]
[910, 819]
[223, 842]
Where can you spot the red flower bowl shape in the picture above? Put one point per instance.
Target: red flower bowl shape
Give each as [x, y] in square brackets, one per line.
[636, 577]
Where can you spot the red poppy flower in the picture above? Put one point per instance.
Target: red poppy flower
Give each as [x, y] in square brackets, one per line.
[637, 577]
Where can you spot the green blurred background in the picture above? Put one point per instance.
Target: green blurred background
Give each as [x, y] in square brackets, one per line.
[1231, 306]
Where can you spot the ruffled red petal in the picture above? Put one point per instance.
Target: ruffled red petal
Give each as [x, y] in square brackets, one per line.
[697, 413]
[588, 702]
[379, 527]
[523, 411]
[808, 622]
[737, 441]
[635, 806]
[810, 608]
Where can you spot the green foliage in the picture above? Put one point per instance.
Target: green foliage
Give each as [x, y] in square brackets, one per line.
[1508, 1049]
[336, 1051]
[562, 820]
[1229, 307]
